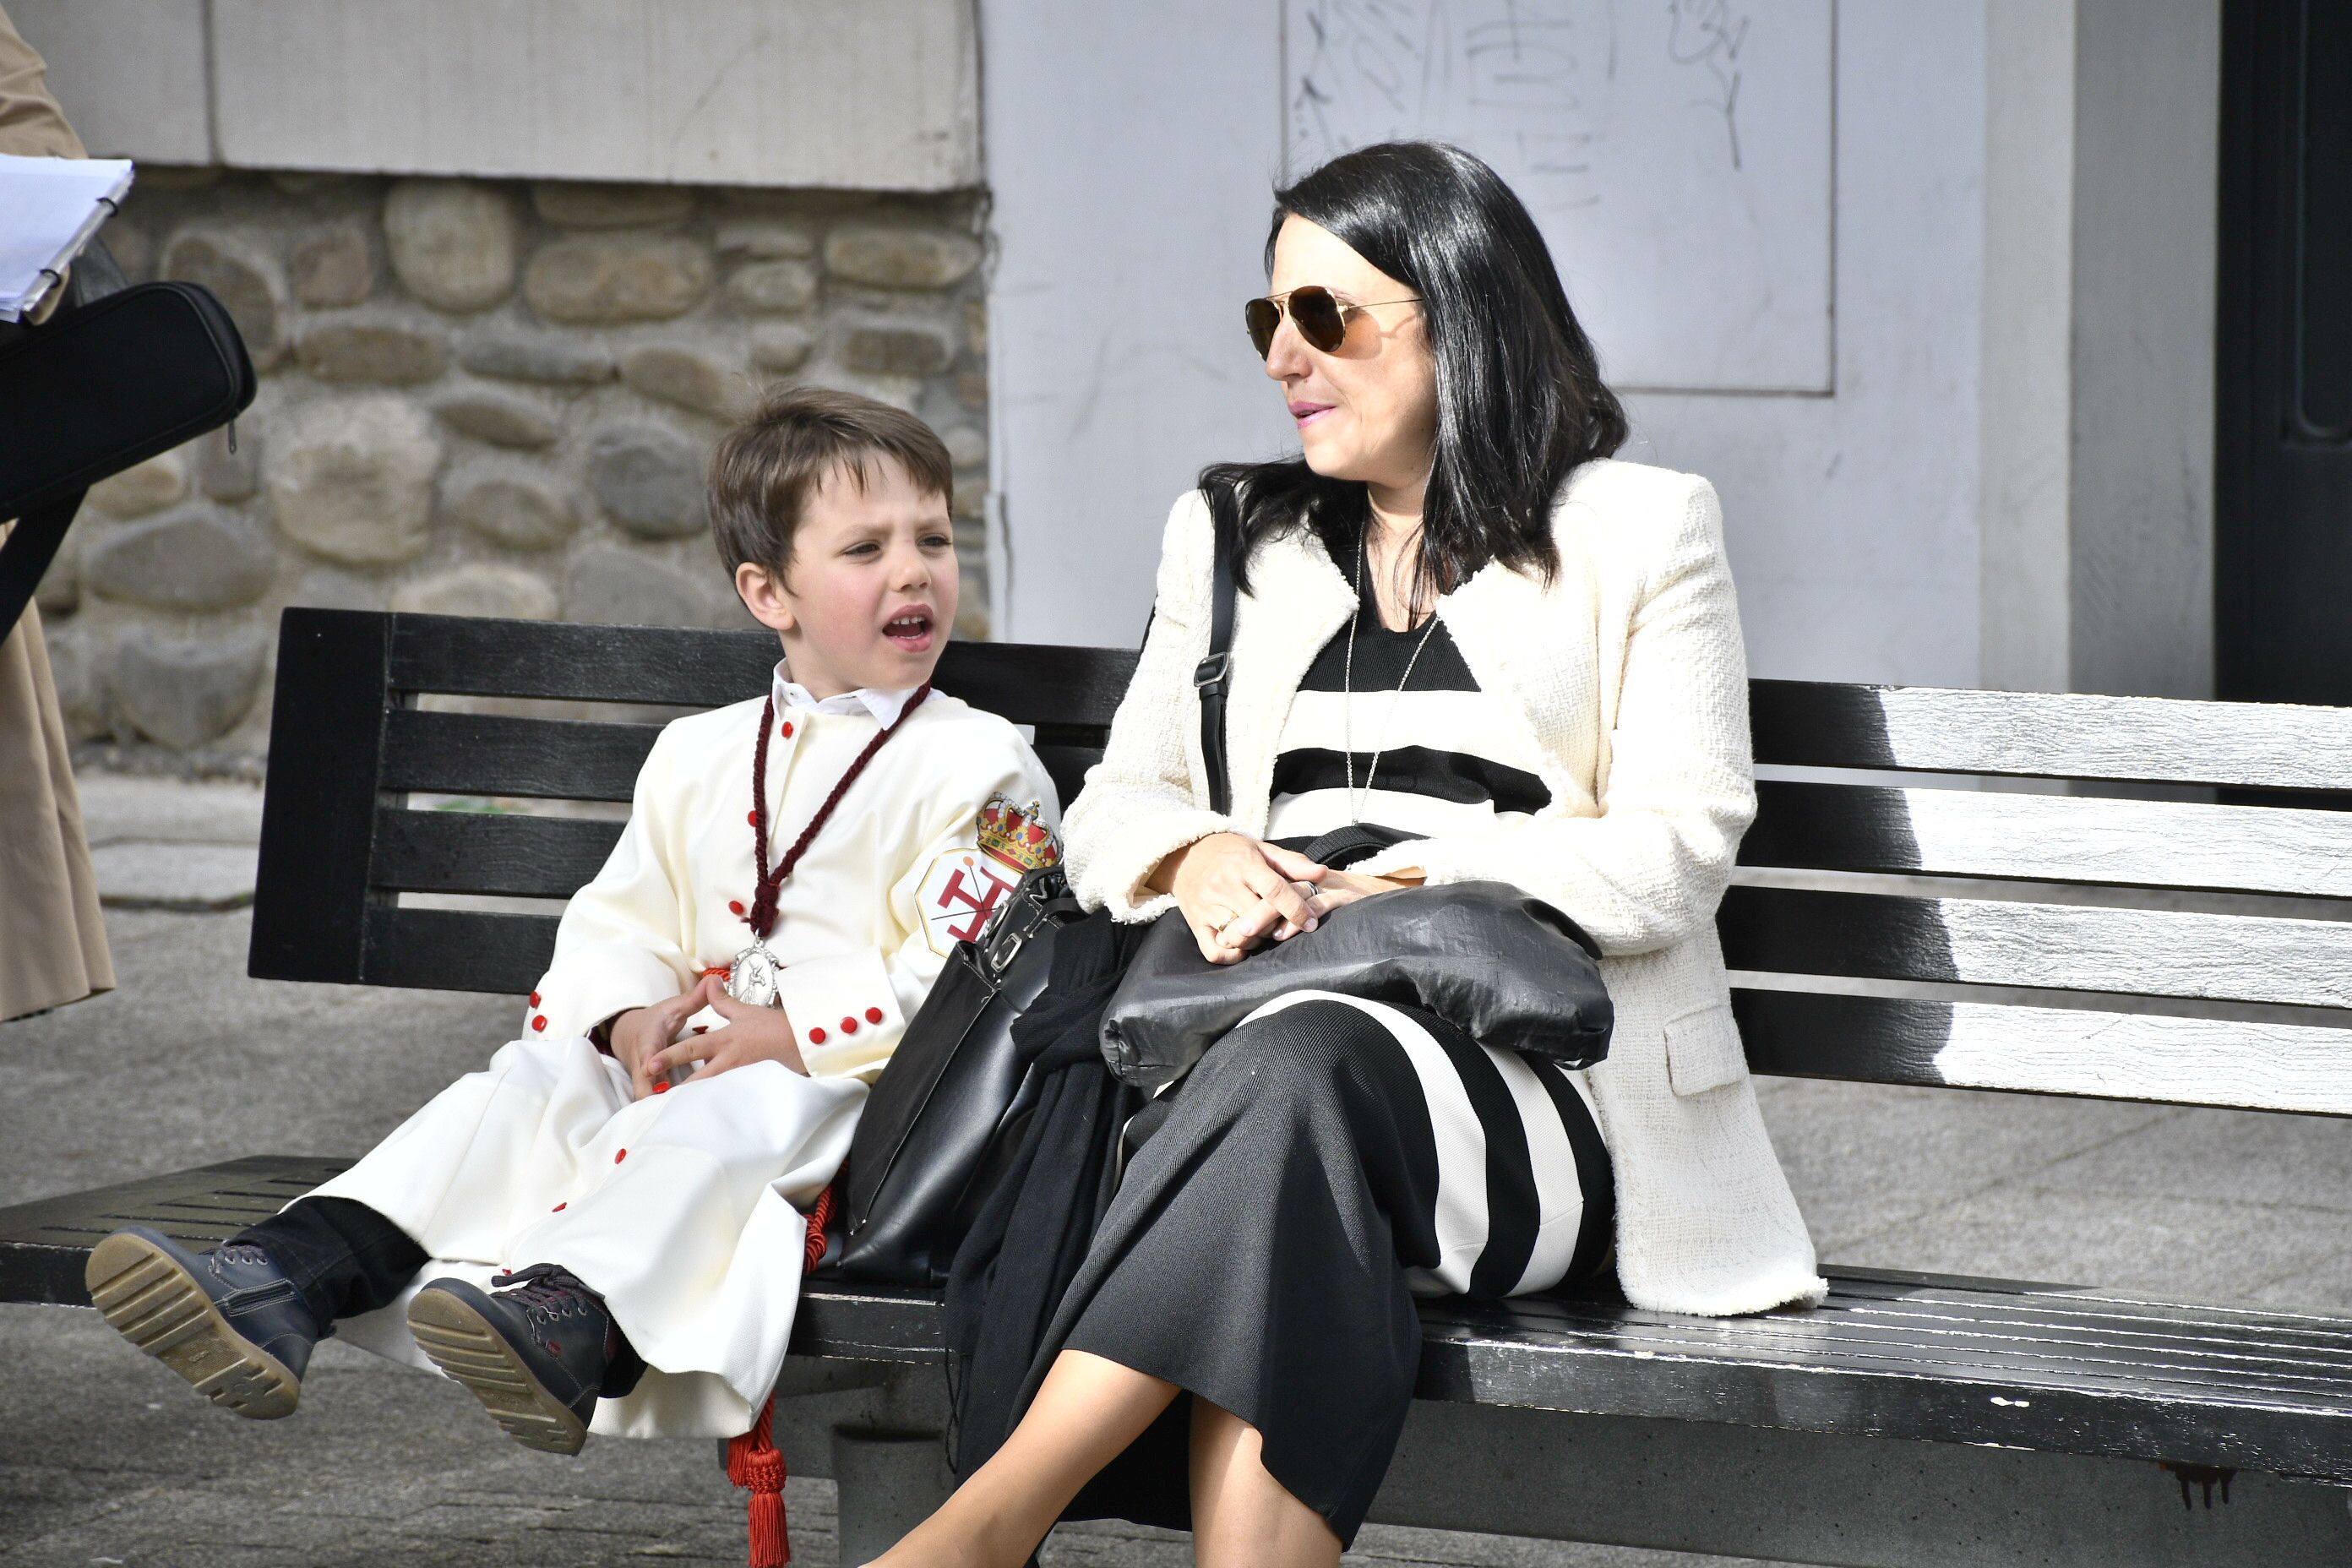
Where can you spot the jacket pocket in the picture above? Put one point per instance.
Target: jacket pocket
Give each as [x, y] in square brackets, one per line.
[1703, 1050]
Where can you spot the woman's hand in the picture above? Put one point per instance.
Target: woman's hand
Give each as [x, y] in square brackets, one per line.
[1235, 892]
[749, 1034]
[1338, 888]
[641, 1032]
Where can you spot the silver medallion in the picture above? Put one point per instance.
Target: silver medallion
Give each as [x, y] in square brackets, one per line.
[751, 978]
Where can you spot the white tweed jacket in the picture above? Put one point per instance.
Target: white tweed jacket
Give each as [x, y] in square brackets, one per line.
[1628, 672]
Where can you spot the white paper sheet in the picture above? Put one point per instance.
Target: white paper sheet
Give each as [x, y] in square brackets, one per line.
[48, 209]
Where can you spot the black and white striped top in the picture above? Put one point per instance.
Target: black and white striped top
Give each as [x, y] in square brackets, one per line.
[1452, 757]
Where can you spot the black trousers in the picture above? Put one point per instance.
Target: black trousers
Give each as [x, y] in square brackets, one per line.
[343, 1255]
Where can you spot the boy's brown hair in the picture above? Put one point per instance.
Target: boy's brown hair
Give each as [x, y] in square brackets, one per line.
[765, 469]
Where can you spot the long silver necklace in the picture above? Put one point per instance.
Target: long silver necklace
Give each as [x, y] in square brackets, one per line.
[1347, 695]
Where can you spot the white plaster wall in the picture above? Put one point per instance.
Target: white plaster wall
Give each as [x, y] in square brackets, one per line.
[1130, 157]
[861, 94]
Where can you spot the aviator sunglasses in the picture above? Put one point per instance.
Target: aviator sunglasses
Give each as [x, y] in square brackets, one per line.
[1320, 316]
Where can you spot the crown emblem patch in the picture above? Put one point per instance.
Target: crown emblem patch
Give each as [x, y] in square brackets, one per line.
[1015, 835]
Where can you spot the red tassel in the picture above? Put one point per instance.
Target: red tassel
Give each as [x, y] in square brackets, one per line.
[751, 1459]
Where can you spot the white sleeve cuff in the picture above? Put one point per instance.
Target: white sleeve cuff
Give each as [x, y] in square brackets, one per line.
[844, 1014]
[592, 984]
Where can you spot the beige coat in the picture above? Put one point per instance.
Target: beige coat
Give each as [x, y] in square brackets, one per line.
[52, 941]
[1630, 675]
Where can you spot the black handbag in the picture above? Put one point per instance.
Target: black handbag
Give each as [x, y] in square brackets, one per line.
[950, 1105]
[100, 387]
[1509, 969]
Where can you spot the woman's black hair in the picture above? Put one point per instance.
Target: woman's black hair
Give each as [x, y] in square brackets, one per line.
[1520, 402]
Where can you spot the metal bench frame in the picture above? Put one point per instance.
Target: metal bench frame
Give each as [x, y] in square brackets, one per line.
[1913, 1419]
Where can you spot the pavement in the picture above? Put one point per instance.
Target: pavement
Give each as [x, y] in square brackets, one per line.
[105, 1458]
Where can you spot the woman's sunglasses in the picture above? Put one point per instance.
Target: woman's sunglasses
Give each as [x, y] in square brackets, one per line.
[1320, 316]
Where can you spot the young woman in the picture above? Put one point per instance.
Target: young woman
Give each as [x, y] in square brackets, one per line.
[1462, 620]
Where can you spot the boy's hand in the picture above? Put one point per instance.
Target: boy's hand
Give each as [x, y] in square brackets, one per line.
[749, 1034]
[640, 1033]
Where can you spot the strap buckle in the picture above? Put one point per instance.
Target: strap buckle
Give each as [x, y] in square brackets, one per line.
[1210, 673]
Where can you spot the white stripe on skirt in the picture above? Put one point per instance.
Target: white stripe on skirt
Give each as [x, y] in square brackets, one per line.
[1463, 1213]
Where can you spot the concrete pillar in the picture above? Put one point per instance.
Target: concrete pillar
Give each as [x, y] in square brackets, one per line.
[2096, 402]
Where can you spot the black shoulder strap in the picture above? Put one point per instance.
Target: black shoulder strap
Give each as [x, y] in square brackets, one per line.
[27, 552]
[1212, 676]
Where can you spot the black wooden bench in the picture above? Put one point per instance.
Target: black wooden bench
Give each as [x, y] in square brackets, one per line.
[1913, 1419]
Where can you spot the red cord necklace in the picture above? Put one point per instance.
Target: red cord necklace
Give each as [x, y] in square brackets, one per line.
[761, 917]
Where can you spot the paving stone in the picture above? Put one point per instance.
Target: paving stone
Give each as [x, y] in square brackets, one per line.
[184, 694]
[975, 325]
[622, 588]
[649, 479]
[501, 418]
[896, 348]
[890, 257]
[247, 281]
[780, 348]
[190, 877]
[520, 509]
[550, 358]
[331, 267]
[58, 593]
[352, 479]
[773, 287]
[967, 445]
[330, 590]
[765, 239]
[143, 488]
[687, 377]
[969, 500]
[479, 588]
[200, 558]
[452, 243]
[585, 206]
[972, 387]
[598, 278]
[395, 352]
[132, 247]
[225, 475]
[79, 666]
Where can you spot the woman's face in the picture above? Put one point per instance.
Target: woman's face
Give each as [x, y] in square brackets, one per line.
[1368, 410]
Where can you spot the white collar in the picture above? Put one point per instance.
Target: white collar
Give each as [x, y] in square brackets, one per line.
[886, 707]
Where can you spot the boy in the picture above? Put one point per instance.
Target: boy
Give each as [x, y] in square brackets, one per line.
[600, 1228]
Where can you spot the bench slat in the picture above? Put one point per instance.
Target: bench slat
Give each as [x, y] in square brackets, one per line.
[1027, 683]
[2047, 1050]
[488, 852]
[2029, 734]
[2063, 947]
[1892, 1355]
[456, 950]
[491, 754]
[2045, 838]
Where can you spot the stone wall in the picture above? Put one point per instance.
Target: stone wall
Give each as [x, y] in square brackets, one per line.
[489, 398]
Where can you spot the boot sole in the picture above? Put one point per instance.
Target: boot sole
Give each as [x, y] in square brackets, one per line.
[463, 1345]
[155, 1303]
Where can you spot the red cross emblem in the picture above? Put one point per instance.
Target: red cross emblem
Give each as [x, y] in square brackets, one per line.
[975, 889]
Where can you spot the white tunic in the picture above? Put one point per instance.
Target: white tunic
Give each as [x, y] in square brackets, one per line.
[679, 1208]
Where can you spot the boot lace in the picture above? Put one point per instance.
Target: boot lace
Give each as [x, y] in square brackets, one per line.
[546, 1292]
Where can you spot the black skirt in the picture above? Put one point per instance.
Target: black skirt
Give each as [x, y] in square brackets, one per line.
[1326, 1160]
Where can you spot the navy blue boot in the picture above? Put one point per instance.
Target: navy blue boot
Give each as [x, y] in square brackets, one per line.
[230, 1321]
[538, 1350]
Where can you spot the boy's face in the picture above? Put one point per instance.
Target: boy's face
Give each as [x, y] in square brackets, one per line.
[870, 591]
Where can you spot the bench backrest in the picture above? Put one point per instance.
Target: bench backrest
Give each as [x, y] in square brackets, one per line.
[2177, 950]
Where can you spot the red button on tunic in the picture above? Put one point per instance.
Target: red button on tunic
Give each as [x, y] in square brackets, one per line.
[752, 817]
[534, 998]
[661, 1087]
[849, 1026]
[874, 1014]
[734, 907]
[788, 729]
[619, 1155]
[816, 1036]
[540, 1022]
[559, 1208]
